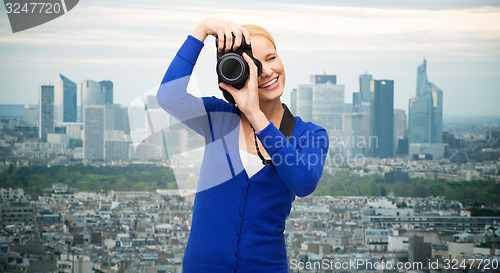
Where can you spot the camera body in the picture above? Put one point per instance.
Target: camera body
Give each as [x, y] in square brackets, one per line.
[232, 67]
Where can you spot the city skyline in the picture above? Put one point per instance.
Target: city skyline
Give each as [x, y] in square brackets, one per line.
[387, 40]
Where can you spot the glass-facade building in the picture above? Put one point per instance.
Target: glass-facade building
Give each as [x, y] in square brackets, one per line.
[93, 127]
[107, 89]
[322, 102]
[66, 100]
[304, 96]
[365, 87]
[46, 115]
[425, 121]
[382, 119]
[328, 107]
[426, 111]
[92, 94]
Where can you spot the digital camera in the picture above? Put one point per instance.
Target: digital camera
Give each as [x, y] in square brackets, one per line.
[232, 67]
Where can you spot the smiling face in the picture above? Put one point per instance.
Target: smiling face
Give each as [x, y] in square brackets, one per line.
[272, 80]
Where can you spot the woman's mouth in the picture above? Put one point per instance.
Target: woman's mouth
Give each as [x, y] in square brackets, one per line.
[270, 84]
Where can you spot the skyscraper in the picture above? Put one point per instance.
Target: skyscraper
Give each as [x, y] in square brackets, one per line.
[355, 137]
[356, 102]
[399, 126]
[46, 108]
[322, 102]
[293, 101]
[115, 117]
[328, 107]
[92, 94]
[323, 79]
[93, 127]
[31, 113]
[425, 124]
[382, 119]
[304, 98]
[361, 100]
[66, 99]
[107, 88]
[365, 88]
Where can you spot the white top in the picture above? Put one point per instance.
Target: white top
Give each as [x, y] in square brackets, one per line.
[252, 163]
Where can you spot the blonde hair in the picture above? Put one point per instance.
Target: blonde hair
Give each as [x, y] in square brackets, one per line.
[258, 30]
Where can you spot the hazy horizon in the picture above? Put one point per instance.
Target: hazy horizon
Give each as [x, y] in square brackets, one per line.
[132, 44]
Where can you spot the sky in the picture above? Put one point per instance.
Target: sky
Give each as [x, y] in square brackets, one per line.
[132, 42]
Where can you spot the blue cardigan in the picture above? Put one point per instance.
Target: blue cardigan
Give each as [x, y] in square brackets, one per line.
[238, 222]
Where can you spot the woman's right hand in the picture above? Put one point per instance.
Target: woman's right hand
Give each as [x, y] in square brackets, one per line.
[224, 31]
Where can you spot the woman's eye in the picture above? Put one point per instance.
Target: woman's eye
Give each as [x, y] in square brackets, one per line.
[271, 58]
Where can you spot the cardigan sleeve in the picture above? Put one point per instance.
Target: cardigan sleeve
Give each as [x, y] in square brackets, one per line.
[300, 168]
[172, 95]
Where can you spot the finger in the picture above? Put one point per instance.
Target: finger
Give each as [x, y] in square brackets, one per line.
[251, 66]
[246, 34]
[229, 38]
[220, 37]
[237, 38]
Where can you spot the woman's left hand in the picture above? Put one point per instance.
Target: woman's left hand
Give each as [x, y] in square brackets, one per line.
[247, 98]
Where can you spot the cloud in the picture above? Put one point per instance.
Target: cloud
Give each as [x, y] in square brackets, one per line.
[104, 38]
[297, 26]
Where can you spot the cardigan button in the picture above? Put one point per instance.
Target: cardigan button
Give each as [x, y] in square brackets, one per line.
[241, 214]
[243, 197]
[236, 254]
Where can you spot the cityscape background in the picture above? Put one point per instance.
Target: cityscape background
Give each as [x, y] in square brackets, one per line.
[96, 177]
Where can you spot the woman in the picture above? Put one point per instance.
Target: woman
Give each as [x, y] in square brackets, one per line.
[241, 204]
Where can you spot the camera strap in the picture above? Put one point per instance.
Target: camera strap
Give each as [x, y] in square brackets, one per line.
[286, 128]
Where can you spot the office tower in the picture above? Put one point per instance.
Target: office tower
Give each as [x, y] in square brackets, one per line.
[74, 130]
[356, 128]
[328, 107]
[107, 88]
[323, 79]
[399, 126]
[46, 111]
[117, 149]
[347, 107]
[304, 101]
[356, 102]
[322, 102]
[93, 127]
[66, 99]
[30, 113]
[361, 100]
[355, 139]
[92, 94]
[293, 101]
[399, 123]
[365, 87]
[115, 117]
[382, 119]
[116, 144]
[425, 123]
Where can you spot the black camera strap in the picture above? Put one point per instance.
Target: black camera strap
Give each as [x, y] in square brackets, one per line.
[286, 128]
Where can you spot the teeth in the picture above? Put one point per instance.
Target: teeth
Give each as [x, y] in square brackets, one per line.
[269, 83]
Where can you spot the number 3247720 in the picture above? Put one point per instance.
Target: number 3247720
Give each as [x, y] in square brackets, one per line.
[471, 264]
[33, 8]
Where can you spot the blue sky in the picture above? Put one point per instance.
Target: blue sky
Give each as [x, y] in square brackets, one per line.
[132, 42]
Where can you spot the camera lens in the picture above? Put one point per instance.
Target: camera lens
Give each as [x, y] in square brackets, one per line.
[231, 68]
